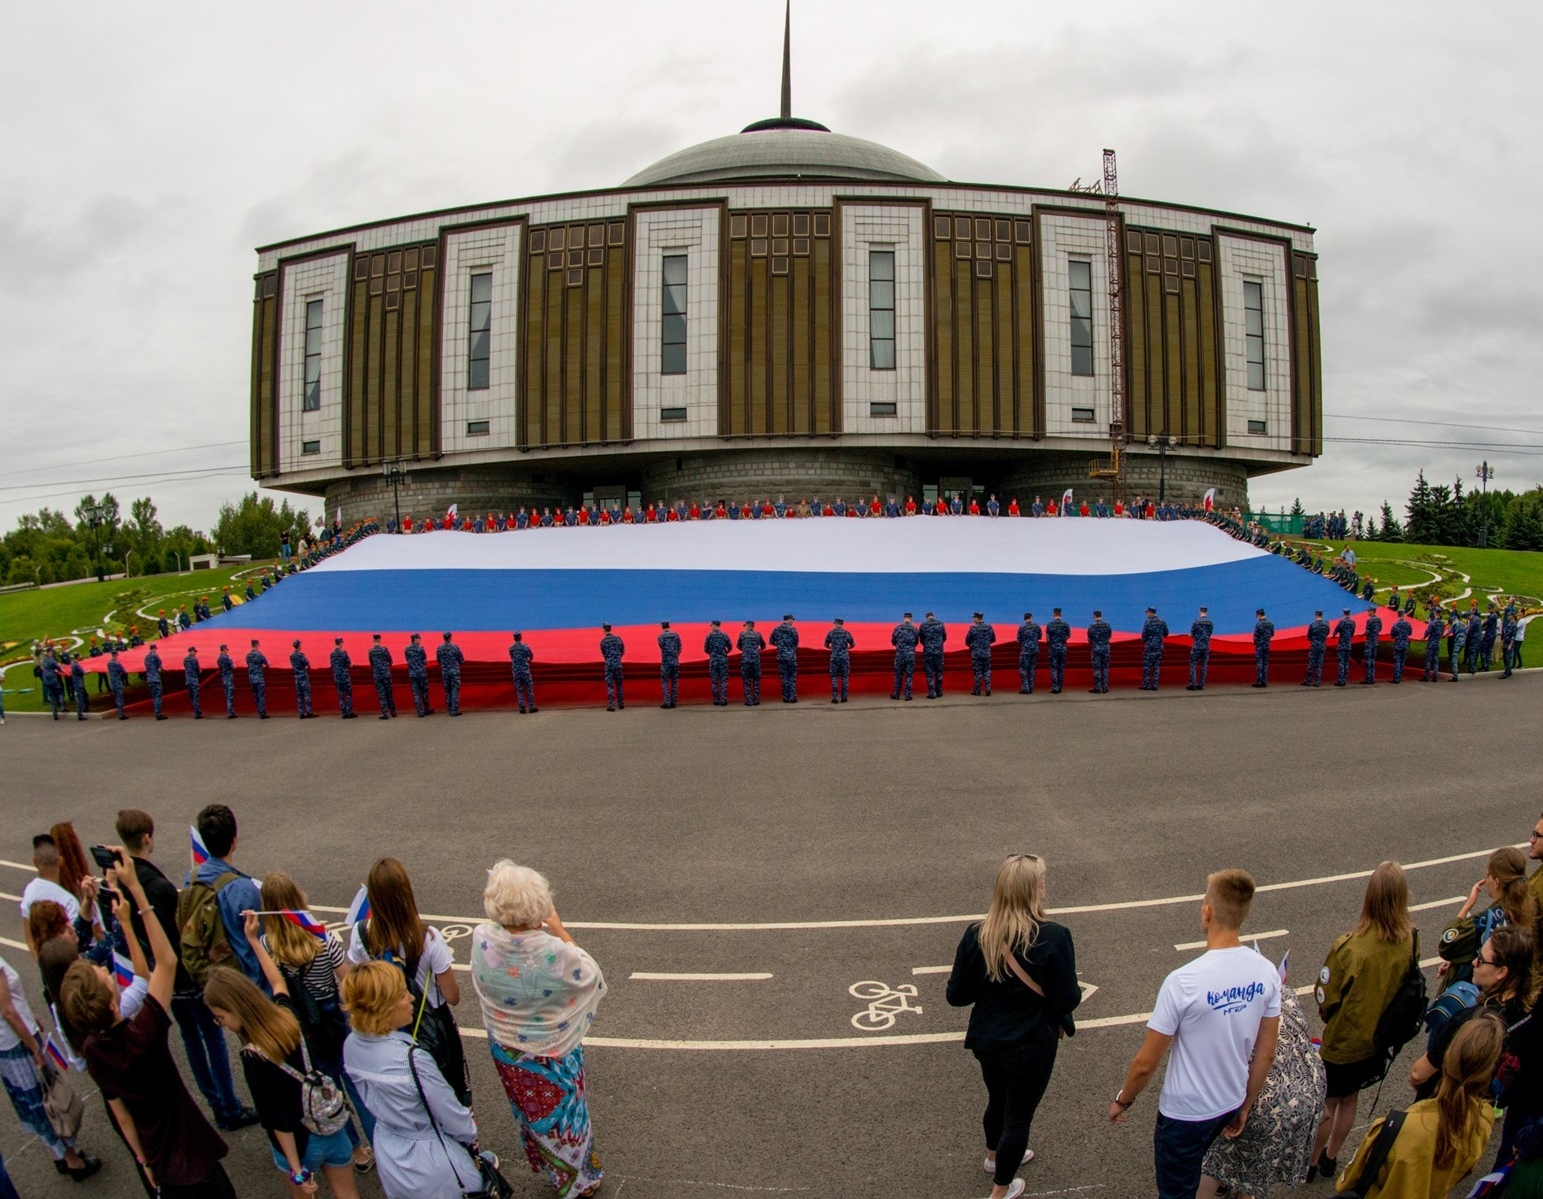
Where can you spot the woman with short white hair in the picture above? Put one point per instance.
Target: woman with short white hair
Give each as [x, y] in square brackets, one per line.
[539, 992]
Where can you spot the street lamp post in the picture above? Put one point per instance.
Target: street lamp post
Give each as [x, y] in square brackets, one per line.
[1161, 444]
[95, 515]
[1484, 472]
[396, 474]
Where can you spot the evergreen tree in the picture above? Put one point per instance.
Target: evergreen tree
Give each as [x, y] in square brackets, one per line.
[1390, 530]
[1421, 526]
[1296, 508]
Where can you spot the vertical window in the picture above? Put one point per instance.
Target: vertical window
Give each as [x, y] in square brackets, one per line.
[881, 310]
[672, 336]
[479, 346]
[1081, 295]
[312, 400]
[1253, 319]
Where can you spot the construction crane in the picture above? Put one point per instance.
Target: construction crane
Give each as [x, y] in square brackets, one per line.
[1113, 468]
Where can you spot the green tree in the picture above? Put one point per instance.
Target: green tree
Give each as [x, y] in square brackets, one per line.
[1296, 508]
[144, 536]
[255, 526]
[1390, 531]
[1421, 517]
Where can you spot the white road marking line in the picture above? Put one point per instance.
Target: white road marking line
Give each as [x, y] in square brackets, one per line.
[645, 976]
[1436, 903]
[1246, 938]
[932, 969]
[13, 944]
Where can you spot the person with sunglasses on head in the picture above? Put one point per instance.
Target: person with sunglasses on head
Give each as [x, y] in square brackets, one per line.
[1019, 972]
[1505, 973]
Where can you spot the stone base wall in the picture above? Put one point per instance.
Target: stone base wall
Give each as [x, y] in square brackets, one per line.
[1183, 478]
[795, 474]
[430, 492]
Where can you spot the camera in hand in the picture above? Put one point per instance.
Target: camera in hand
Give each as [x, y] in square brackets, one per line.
[105, 858]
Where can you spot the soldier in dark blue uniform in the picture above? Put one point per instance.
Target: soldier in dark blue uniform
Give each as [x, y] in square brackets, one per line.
[448, 654]
[53, 689]
[978, 639]
[301, 666]
[751, 644]
[67, 677]
[256, 668]
[1028, 653]
[1152, 634]
[163, 624]
[1369, 650]
[225, 601]
[380, 675]
[153, 680]
[1367, 591]
[1199, 650]
[1435, 628]
[228, 681]
[342, 678]
[1508, 627]
[520, 659]
[1487, 639]
[669, 665]
[785, 638]
[1057, 634]
[1264, 633]
[191, 680]
[117, 679]
[904, 638]
[1317, 646]
[611, 650]
[1099, 636]
[933, 634]
[1471, 659]
[717, 647]
[840, 643]
[417, 659]
[78, 675]
[1402, 631]
[1345, 632]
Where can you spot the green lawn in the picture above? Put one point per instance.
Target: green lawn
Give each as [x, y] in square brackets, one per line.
[1502, 572]
[84, 608]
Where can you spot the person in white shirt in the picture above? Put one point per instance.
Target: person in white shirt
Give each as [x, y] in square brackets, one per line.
[1221, 1015]
[45, 860]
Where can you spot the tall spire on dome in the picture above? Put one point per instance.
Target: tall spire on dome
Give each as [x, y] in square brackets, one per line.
[787, 62]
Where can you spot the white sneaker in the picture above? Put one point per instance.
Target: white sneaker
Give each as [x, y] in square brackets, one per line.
[991, 1166]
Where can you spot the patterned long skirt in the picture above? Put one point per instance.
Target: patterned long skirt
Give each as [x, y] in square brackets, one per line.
[25, 1087]
[547, 1095]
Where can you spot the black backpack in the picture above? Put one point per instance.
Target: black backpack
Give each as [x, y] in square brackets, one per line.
[1404, 1016]
[321, 1017]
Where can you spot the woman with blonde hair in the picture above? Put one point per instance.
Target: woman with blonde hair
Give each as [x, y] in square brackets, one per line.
[425, 1138]
[312, 968]
[1359, 979]
[1443, 1137]
[276, 1061]
[395, 933]
[1019, 970]
[539, 992]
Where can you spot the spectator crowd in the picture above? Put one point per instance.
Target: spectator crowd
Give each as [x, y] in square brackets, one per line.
[350, 1048]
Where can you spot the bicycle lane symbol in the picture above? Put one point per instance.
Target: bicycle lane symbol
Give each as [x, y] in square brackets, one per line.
[885, 1003]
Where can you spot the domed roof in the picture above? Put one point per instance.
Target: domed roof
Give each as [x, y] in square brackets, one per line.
[783, 148]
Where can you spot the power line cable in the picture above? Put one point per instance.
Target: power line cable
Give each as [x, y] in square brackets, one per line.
[187, 449]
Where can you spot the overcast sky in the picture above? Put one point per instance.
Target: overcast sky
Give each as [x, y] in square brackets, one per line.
[147, 148]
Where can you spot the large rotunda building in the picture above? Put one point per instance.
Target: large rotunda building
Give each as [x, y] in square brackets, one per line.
[784, 310]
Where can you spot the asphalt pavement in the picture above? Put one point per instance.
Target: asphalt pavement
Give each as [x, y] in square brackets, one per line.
[813, 868]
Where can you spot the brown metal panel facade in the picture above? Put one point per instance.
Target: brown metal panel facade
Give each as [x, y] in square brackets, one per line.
[575, 387]
[1306, 358]
[1173, 339]
[782, 303]
[265, 389]
[984, 331]
[390, 392]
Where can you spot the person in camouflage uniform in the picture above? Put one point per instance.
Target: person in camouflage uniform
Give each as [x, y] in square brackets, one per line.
[933, 634]
[751, 644]
[904, 638]
[1434, 629]
[1344, 630]
[448, 654]
[1402, 631]
[611, 650]
[153, 665]
[417, 659]
[1199, 650]
[978, 639]
[520, 659]
[380, 675]
[300, 665]
[1152, 634]
[342, 678]
[1057, 634]
[785, 638]
[840, 643]
[190, 678]
[1028, 653]
[1317, 646]
[256, 676]
[717, 647]
[1099, 636]
[1369, 651]
[1264, 633]
[669, 665]
[228, 681]
[118, 679]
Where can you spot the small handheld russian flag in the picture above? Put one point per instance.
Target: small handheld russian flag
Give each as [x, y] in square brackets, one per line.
[55, 1054]
[308, 922]
[359, 909]
[123, 971]
[201, 852]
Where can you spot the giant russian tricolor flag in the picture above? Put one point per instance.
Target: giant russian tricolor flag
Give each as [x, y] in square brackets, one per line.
[559, 585]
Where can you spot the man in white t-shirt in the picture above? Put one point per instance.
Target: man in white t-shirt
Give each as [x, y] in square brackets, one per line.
[1221, 1014]
[45, 860]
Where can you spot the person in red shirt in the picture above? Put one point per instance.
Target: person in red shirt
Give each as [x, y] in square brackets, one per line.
[466, 524]
[695, 513]
[407, 523]
[910, 505]
[827, 511]
[626, 515]
[1119, 507]
[605, 515]
[651, 516]
[974, 506]
[1012, 508]
[874, 507]
[1151, 510]
[1083, 509]
[721, 512]
[768, 509]
[583, 514]
[671, 515]
[1050, 509]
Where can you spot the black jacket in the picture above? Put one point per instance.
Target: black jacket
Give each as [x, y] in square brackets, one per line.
[1007, 1013]
[162, 895]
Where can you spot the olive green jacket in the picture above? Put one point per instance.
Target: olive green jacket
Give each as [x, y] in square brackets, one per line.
[1357, 982]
